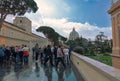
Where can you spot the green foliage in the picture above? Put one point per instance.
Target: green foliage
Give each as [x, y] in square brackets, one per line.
[71, 43]
[94, 49]
[47, 31]
[79, 50]
[51, 34]
[16, 7]
[107, 59]
[79, 45]
[103, 43]
[90, 49]
[19, 7]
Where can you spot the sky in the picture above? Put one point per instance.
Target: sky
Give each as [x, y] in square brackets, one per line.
[88, 17]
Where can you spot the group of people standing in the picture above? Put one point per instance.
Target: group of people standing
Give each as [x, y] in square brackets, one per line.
[14, 54]
[53, 54]
[20, 54]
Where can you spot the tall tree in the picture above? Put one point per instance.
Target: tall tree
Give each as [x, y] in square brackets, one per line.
[51, 34]
[16, 7]
[101, 42]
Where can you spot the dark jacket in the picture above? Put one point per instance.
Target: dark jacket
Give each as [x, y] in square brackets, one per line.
[2, 51]
[48, 52]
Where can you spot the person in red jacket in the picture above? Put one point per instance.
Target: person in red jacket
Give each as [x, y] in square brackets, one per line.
[26, 54]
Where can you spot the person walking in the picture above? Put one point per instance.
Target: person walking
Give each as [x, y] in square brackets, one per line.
[8, 53]
[2, 53]
[36, 51]
[60, 56]
[33, 51]
[26, 54]
[55, 54]
[21, 54]
[41, 54]
[70, 49]
[66, 52]
[48, 55]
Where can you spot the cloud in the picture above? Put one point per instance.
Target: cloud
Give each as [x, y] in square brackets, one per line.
[37, 33]
[10, 18]
[90, 31]
[48, 13]
[52, 8]
[45, 7]
[63, 26]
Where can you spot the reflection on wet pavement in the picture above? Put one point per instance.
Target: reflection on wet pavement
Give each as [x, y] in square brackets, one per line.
[36, 72]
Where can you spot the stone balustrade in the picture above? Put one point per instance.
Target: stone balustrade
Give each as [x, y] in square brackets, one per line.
[92, 70]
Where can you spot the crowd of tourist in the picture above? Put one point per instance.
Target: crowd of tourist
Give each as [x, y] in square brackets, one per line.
[14, 54]
[52, 55]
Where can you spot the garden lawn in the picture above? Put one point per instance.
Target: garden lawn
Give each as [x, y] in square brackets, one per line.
[104, 59]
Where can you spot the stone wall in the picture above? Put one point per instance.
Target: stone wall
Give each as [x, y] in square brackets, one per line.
[92, 70]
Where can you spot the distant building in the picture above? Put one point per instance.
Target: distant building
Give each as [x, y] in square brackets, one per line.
[73, 35]
[115, 18]
[20, 33]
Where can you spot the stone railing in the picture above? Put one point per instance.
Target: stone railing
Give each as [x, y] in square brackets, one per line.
[92, 70]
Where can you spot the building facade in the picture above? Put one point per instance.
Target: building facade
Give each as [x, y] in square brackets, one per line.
[115, 18]
[20, 33]
[73, 35]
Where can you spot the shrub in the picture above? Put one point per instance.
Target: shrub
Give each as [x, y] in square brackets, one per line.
[79, 50]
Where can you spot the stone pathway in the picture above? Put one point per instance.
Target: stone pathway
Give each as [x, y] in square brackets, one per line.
[36, 72]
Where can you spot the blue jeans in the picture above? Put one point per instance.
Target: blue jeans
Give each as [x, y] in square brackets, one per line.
[17, 58]
[60, 59]
[25, 59]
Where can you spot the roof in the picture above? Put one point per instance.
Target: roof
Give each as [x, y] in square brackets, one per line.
[36, 34]
[14, 25]
[74, 33]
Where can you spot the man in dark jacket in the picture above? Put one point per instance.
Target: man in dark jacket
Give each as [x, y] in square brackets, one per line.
[48, 55]
[36, 51]
[2, 54]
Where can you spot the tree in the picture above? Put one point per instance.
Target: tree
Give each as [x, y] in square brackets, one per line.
[50, 34]
[79, 50]
[79, 45]
[102, 43]
[16, 7]
[71, 43]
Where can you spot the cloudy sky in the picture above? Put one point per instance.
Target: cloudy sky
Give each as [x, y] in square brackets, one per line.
[88, 17]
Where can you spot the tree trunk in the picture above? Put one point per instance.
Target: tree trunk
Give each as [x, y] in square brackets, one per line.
[1, 23]
[2, 18]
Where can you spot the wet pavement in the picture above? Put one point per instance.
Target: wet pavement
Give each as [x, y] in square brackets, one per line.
[35, 71]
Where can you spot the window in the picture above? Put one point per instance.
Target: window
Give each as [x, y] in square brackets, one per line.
[3, 31]
[12, 34]
[20, 21]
